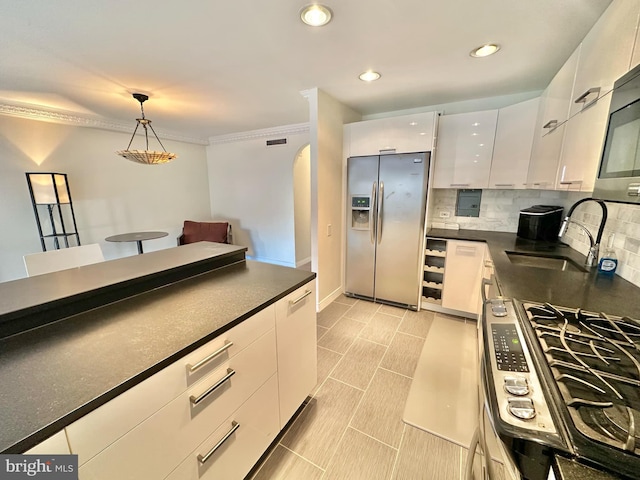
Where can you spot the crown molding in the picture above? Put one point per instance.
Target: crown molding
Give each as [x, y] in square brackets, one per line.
[65, 118]
[283, 131]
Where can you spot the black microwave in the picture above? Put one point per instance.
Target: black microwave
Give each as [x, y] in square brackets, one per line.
[619, 172]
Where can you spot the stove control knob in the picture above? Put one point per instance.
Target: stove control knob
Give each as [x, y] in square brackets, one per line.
[521, 408]
[516, 385]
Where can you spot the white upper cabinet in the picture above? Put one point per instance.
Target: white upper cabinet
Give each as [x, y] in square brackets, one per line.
[465, 149]
[403, 134]
[512, 148]
[554, 109]
[635, 58]
[605, 56]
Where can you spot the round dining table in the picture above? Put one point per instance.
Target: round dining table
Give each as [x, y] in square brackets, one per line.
[137, 237]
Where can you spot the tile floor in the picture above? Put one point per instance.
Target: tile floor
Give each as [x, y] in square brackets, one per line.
[352, 428]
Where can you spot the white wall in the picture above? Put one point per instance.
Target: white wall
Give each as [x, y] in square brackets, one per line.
[110, 194]
[327, 206]
[302, 205]
[252, 187]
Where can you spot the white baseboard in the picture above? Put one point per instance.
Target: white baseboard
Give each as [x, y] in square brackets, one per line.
[304, 261]
[322, 304]
[270, 260]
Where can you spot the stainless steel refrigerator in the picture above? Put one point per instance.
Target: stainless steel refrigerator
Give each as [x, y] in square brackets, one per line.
[387, 197]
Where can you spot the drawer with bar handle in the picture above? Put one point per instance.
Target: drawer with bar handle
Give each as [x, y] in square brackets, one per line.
[235, 446]
[97, 430]
[156, 446]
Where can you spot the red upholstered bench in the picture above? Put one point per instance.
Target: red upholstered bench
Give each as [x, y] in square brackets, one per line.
[219, 232]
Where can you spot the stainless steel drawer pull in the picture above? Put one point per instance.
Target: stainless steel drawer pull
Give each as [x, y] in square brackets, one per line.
[459, 184]
[301, 297]
[204, 361]
[583, 98]
[203, 458]
[551, 124]
[196, 400]
[504, 184]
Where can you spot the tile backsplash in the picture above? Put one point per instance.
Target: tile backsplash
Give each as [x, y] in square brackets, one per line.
[499, 211]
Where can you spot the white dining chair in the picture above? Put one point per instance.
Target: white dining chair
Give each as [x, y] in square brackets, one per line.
[54, 260]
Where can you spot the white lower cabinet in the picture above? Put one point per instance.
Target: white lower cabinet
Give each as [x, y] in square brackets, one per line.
[232, 450]
[97, 430]
[55, 444]
[463, 275]
[234, 393]
[156, 446]
[297, 349]
[453, 273]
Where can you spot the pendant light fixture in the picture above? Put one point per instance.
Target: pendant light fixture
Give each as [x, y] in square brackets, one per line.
[148, 157]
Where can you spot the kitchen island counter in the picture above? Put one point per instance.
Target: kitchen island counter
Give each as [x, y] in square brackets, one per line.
[59, 372]
[586, 290]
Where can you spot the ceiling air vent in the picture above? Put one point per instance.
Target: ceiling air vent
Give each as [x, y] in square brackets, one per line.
[278, 141]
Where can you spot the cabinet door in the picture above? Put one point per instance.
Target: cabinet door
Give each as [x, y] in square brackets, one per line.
[605, 56]
[55, 444]
[512, 147]
[297, 348]
[402, 134]
[554, 110]
[463, 275]
[465, 149]
[635, 58]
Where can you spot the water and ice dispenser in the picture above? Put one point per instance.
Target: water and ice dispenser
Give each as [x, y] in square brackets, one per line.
[360, 212]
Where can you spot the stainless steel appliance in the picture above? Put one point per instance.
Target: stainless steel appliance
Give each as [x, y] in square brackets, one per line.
[385, 227]
[561, 381]
[619, 173]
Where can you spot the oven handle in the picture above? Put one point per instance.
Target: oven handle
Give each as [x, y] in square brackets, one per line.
[481, 438]
[473, 446]
[483, 289]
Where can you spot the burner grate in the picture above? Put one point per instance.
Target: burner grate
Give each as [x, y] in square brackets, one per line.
[595, 360]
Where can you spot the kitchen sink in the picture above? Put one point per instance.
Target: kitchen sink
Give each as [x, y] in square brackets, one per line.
[543, 261]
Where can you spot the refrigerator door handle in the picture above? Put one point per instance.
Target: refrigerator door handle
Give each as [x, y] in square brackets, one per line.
[372, 224]
[380, 211]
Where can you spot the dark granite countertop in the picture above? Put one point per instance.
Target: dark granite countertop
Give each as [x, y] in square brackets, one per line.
[565, 469]
[57, 373]
[589, 291]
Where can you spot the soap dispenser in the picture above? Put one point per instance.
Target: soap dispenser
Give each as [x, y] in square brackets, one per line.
[608, 262]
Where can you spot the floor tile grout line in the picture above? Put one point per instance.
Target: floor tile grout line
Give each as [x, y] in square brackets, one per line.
[373, 438]
[329, 350]
[395, 463]
[303, 458]
[345, 383]
[396, 373]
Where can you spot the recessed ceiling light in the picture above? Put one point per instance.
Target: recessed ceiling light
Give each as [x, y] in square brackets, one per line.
[369, 76]
[413, 124]
[315, 15]
[485, 50]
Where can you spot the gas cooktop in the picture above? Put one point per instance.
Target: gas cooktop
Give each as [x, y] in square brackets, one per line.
[594, 359]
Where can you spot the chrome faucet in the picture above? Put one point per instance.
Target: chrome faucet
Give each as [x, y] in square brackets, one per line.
[592, 256]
